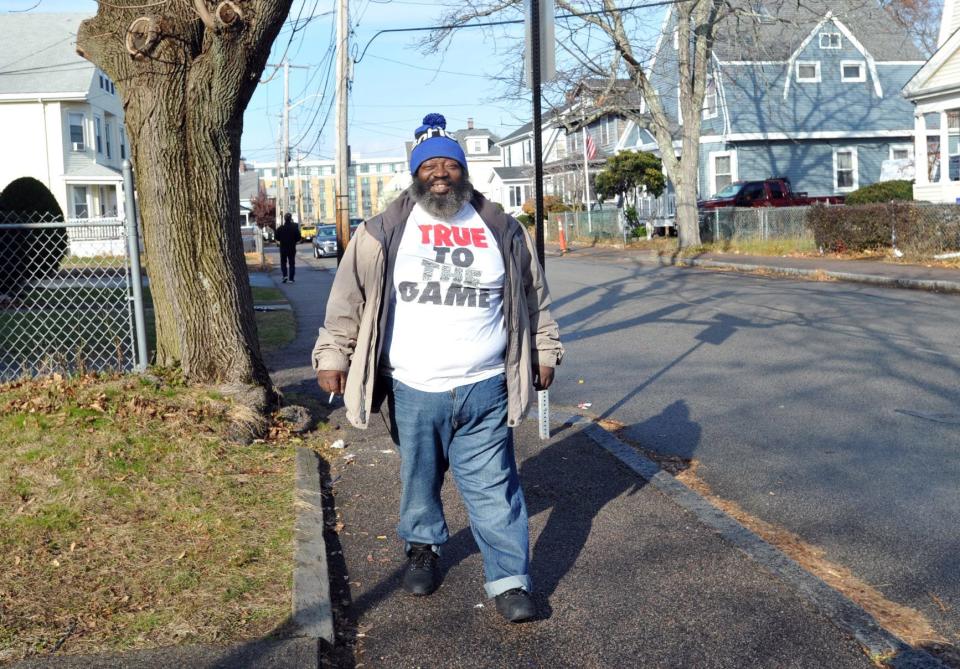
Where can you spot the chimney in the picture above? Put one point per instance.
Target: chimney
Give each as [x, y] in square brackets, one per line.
[469, 124]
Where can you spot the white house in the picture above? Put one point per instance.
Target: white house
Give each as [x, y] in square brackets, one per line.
[61, 118]
[935, 92]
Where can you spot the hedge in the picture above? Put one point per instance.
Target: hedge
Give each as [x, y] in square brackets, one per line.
[883, 191]
[921, 230]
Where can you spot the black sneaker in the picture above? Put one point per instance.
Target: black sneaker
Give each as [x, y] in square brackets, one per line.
[284, 279]
[421, 576]
[515, 605]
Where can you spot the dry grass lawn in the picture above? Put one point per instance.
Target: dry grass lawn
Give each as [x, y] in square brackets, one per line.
[127, 519]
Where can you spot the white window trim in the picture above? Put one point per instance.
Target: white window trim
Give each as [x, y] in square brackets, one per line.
[860, 64]
[712, 164]
[716, 99]
[816, 77]
[901, 147]
[839, 40]
[676, 39]
[854, 165]
[83, 130]
[98, 136]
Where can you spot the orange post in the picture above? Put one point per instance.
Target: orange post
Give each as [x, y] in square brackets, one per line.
[563, 239]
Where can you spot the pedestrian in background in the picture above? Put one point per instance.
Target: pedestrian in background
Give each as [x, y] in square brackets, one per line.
[288, 236]
[439, 315]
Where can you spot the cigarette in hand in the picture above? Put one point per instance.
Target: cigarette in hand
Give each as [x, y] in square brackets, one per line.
[330, 400]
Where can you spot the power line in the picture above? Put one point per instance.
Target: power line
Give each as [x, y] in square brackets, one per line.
[507, 22]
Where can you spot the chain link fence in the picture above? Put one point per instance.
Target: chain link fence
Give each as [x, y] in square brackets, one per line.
[66, 298]
[764, 223]
[917, 230]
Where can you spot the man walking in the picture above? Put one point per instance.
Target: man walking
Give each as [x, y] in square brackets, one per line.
[288, 236]
[440, 308]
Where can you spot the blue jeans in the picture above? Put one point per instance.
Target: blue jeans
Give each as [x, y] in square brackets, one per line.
[466, 430]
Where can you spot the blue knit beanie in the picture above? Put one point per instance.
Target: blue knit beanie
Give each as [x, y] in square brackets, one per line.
[432, 141]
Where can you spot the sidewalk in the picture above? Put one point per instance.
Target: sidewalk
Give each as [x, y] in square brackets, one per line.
[877, 272]
[630, 567]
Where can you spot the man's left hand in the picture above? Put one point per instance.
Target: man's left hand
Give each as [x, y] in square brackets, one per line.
[543, 377]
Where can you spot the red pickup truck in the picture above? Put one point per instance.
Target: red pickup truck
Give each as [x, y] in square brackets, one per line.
[766, 193]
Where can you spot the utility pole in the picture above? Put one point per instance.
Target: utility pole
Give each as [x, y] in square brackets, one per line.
[341, 192]
[286, 131]
[283, 165]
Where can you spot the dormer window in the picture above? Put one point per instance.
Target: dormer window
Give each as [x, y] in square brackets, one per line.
[829, 40]
[853, 70]
[808, 71]
[476, 146]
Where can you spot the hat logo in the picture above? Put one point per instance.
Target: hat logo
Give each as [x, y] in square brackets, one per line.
[429, 133]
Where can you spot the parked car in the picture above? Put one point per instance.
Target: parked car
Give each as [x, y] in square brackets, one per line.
[325, 241]
[765, 193]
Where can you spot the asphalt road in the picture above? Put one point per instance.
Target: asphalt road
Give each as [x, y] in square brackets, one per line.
[830, 409]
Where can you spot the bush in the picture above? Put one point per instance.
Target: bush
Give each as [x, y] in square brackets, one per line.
[29, 254]
[551, 204]
[883, 191]
[525, 219]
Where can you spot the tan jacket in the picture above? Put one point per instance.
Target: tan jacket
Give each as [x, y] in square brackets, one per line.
[350, 339]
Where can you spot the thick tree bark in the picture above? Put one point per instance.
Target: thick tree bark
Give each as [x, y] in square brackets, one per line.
[186, 75]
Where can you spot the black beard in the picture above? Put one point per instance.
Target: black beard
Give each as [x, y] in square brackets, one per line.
[443, 205]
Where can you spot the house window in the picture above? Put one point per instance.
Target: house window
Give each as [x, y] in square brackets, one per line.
[476, 146]
[845, 169]
[516, 195]
[561, 150]
[710, 99]
[953, 144]
[829, 40]
[76, 131]
[853, 70]
[723, 165]
[98, 133]
[80, 208]
[109, 131]
[808, 71]
[123, 143]
[901, 152]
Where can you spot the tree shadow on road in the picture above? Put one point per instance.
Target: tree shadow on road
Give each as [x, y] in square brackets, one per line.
[572, 481]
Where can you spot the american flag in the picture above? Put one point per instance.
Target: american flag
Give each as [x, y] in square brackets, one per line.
[591, 147]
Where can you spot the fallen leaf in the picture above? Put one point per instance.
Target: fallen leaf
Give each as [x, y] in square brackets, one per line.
[73, 545]
[55, 563]
[182, 555]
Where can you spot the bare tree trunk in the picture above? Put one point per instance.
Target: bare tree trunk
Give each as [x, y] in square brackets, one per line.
[186, 76]
[685, 183]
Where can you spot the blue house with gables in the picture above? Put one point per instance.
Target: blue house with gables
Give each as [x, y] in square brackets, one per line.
[808, 92]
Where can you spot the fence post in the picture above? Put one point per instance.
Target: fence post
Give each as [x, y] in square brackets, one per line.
[133, 253]
[716, 225]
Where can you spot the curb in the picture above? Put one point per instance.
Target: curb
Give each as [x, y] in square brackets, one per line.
[934, 285]
[876, 641]
[312, 609]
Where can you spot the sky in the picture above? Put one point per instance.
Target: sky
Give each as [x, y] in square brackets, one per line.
[393, 86]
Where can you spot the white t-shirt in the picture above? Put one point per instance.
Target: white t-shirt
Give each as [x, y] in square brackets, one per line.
[445, 326]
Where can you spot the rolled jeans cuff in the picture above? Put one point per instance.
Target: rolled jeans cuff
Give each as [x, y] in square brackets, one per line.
[501, 585]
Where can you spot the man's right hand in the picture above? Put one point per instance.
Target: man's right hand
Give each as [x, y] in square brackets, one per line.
[332, 380]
